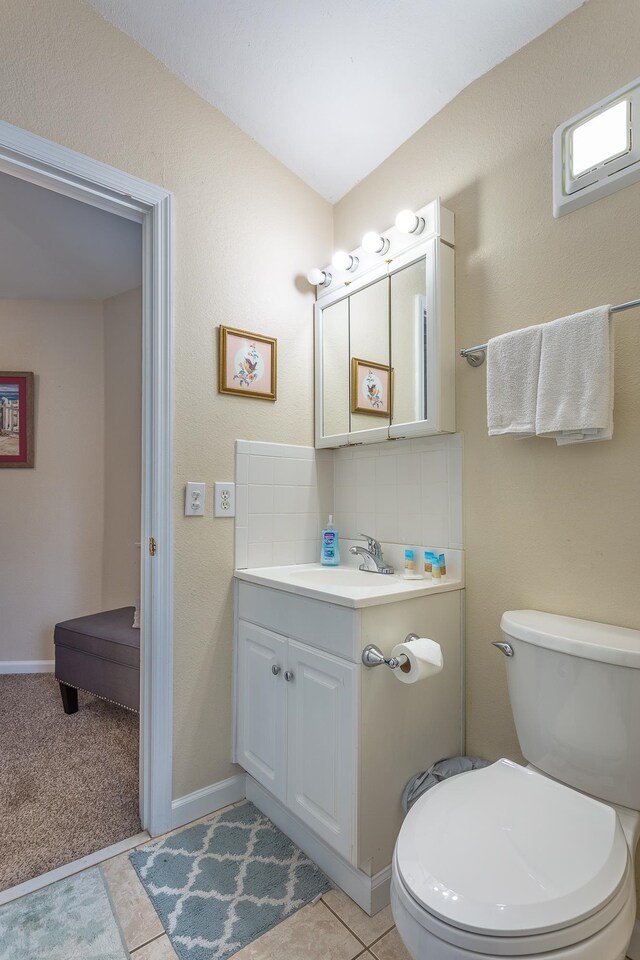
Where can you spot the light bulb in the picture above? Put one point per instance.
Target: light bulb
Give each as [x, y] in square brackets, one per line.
[318, 278]
[372, 242]
[344, 261]
[409, 222]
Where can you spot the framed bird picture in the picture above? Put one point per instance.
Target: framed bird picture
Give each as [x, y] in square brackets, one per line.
[247, 364]
[371, 388]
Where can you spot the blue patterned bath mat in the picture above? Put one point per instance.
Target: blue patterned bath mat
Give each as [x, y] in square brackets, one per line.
[69, 920]
[225, 881]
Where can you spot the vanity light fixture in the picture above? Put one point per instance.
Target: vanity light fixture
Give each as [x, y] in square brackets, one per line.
[318, 278]
[345, 261]
[372, 242]
[409, 222]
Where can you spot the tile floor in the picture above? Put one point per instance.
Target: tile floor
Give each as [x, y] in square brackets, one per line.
[335, 928]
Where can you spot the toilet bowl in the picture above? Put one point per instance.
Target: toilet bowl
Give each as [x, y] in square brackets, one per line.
[538, 861]
[505, 862]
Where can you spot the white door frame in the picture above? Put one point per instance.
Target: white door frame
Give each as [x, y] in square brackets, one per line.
[57, 168]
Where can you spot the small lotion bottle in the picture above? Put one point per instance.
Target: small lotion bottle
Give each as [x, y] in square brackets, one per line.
[427, 564]
[436, 573]
[410, 572]
[443, 565]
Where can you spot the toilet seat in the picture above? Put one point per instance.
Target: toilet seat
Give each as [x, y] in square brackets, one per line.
[505, 860]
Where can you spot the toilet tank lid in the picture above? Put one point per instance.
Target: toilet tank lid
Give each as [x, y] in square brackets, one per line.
[578, 638]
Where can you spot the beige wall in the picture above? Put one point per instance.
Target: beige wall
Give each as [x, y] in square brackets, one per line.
[246, 228]
[122, 449]
[51, 517]
[545, 527]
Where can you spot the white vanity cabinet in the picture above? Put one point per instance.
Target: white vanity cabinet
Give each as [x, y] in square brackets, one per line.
[329, 744]
[296, 729]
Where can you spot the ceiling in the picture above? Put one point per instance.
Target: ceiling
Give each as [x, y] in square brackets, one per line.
[332, 87]
[56, 248]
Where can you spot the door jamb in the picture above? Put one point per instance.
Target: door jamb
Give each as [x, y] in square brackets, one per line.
[57, 168]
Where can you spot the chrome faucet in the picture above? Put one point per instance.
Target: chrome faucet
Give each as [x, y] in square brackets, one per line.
[372, 559]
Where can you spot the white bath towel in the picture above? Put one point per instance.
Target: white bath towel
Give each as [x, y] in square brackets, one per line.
[575, 388]
[513, 363]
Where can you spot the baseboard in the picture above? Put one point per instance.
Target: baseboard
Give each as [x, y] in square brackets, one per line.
[207, 800]
[633, 950]
[370, 893]
[27, 666]
[60, 873]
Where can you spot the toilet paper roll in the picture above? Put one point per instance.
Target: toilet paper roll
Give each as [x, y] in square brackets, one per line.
[424, 659]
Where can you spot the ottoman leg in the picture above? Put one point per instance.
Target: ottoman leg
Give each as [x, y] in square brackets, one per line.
[69, 698]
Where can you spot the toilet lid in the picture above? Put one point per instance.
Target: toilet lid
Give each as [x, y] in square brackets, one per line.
[507, 851]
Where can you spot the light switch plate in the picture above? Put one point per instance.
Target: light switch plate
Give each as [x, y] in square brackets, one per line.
[194, 499]
[224, 503]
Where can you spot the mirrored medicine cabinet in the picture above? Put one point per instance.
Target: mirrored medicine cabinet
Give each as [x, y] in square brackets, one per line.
[385, 340]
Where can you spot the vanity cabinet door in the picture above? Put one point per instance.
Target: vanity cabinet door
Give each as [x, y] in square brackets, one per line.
[322, 752]
[262, 706]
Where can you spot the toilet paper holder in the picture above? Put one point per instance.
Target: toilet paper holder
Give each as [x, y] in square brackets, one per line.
[373, 656]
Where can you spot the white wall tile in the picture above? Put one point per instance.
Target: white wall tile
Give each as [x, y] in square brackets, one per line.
[260, 555]
[284, 552]
[283, 499]
[260, 498]
[285, 527]
[434, 466]
[261, 528]
[242, 468]
[261, 470]
[242, 544]
[386, 470]
[345, 473]
[435, 514]
[242, 504]
[307, 551]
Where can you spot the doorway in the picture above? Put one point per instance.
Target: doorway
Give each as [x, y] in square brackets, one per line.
[45, 164]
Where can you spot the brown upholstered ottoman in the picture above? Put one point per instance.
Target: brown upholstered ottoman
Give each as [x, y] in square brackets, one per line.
[101, 655]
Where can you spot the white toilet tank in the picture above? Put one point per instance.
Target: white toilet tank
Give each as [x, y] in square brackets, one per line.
[575, 694]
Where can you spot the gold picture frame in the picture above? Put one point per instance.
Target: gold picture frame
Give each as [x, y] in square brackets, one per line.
[247, 364]
[371, 388]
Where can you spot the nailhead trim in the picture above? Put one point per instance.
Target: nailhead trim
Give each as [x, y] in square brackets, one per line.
[98, 695]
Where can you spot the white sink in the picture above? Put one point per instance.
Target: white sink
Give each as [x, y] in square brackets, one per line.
[340, 577]
[345, 585]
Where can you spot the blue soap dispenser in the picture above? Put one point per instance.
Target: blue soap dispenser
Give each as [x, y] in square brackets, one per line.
[330, 546]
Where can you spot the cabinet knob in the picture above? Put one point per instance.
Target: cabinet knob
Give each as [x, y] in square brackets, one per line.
[275, 669]
[288, 675]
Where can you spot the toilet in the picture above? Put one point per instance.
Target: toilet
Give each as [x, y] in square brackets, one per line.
[537, 861]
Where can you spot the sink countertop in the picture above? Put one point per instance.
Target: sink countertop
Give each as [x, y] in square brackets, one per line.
[344, 585]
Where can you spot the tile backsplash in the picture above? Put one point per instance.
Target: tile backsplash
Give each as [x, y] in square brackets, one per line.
[283, 496]
[406, 491]
[402, 492]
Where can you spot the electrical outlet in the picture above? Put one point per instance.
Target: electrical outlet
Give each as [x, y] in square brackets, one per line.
[224, 499]
[194, 497]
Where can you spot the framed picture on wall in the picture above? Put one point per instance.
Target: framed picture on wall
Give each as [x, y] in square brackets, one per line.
[371, 388]
[247, 364]
[16, 419]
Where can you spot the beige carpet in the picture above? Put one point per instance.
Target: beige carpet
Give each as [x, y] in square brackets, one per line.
[68, 784]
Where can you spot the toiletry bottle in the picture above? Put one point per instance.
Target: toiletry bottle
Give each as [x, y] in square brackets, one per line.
[427, 564]
[409, 564]
[330, 546]
[443, 565]
[436, 573]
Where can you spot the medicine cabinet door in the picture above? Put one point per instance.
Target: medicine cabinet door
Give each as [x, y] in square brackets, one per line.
[335, 374]
[370, 372]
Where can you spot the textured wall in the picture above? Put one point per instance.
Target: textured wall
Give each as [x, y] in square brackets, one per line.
[122, 449]
[245, 229]
[51, 517]
[545, 527]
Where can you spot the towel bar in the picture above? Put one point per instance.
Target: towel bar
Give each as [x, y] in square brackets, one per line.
[475, 356]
